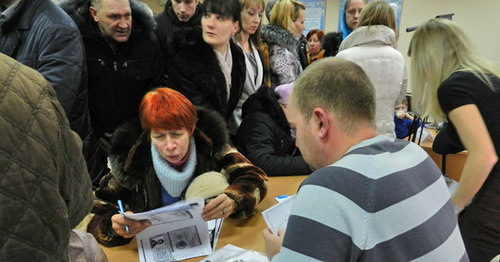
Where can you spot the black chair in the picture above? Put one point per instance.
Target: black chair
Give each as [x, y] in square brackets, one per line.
[416, 124]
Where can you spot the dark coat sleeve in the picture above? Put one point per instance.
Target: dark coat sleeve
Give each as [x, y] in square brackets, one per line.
[258, 135]
[105, 206]
[60, 56]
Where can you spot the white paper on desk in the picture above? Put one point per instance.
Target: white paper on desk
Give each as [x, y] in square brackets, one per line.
[230, 253]
[214, 227]
[276, 217]
[174, 235]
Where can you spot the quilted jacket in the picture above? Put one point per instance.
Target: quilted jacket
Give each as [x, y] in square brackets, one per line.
[40, 35]
[44, 184]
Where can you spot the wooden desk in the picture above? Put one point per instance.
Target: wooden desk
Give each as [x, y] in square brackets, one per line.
[246, 234]
[454, 162]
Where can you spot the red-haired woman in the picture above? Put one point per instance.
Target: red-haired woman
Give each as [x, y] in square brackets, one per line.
[179, 152]
[315, 51]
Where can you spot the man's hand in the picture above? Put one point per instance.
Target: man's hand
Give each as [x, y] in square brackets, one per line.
[119, 221]
[273, 243]
[220, 207]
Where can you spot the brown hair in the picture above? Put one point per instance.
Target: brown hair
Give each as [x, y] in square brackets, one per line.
[378, 13]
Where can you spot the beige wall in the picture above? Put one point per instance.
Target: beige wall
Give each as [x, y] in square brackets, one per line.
[154, 5]
[479, 19]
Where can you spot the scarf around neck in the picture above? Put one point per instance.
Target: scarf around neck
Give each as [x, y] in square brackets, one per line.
[172, 180]
[226, 66]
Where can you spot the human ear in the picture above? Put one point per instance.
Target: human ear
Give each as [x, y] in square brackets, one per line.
[321, 122]
[236, 25]
[93, 13]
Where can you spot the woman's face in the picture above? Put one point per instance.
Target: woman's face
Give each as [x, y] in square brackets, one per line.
[217, 30]
[171, 144]
[352, 13]
[299, 23]
[250, 19]
[314, 44]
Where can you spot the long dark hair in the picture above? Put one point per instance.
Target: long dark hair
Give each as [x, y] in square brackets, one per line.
[225, 8]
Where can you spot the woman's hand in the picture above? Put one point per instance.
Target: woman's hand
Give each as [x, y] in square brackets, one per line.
[220, 207]
[119, 222]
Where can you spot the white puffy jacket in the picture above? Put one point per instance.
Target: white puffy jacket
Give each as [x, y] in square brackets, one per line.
[373, 48]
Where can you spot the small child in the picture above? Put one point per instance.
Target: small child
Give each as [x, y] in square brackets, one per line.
[402, 120]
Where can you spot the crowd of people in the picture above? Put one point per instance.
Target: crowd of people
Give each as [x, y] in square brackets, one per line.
[204, 100]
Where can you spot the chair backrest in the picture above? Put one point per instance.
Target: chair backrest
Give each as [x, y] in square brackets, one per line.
[416, 124]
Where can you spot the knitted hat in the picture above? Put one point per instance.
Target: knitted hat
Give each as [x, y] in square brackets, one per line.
[207, 185]
[284, 92]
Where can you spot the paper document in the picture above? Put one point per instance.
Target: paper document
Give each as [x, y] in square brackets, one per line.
[230, 253]
[276, 217]
[214, 227]
[177, 232]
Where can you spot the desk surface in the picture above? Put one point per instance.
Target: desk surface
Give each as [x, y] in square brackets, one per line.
[246, 234]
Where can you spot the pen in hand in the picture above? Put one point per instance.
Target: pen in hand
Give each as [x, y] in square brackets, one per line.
[122, 211]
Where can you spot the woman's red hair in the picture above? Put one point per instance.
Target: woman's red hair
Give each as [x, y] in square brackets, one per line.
[164, 108]
[318, 32]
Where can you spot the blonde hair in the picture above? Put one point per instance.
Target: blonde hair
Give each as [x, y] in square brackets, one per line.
[437, 49]
[256, 37]
[378, 13]
[285, 12]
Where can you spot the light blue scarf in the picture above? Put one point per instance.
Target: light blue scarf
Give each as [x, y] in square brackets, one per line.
[172, 180]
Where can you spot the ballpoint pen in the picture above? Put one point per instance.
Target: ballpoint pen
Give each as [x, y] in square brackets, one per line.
[122, 211]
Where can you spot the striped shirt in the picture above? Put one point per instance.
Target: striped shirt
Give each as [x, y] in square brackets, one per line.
[385, 200]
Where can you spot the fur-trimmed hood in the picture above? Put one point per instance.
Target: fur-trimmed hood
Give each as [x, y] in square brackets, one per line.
[78, 10]
[264, 100]
[274, 35]
[130, 146]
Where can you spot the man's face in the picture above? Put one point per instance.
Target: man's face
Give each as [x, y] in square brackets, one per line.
[114, 18]
[184, 9]
[304, 136]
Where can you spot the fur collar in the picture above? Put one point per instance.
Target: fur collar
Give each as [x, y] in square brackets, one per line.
[78, 10]
[331, 42]
[196, 60]
[130, 152]
[274, 35]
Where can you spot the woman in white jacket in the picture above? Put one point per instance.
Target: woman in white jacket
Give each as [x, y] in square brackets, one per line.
[372, 45]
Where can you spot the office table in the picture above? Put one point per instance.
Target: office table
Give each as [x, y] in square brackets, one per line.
[246, 234]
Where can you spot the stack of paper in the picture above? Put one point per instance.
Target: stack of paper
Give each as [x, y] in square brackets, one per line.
[177, 232]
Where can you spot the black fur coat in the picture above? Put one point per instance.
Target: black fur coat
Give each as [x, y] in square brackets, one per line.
[194, 71]
[134, 181]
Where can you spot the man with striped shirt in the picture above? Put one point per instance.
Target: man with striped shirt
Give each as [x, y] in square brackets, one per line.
[371, 198]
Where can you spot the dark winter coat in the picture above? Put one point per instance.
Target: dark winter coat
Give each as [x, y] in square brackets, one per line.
[134, 181]
[118, 79]
[302, 49]
[283, 55]
[264, 136]
[40, 35]
[169, 25]
[45, 189]
[331, 43]
[195, 72]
